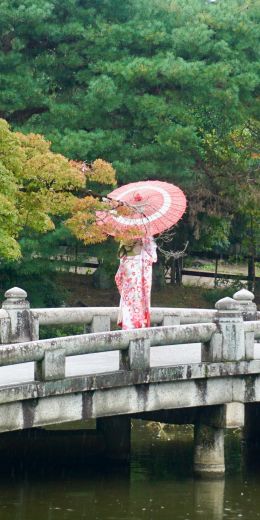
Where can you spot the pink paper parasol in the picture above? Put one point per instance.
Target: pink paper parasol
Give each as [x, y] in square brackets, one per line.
[154, 207]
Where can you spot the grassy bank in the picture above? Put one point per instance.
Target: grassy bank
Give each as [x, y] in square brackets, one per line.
[79, 292]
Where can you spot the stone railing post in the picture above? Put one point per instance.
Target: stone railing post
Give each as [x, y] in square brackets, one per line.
[100, 324]
[249, 312]
[247, 306]
[21, 324]
[52, 367]
[137, 356]
[228, 342]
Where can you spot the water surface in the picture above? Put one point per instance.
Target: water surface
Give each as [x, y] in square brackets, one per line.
[157, 484]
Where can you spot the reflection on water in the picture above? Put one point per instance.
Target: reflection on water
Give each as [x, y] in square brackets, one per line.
[157, 485]
[209, 499]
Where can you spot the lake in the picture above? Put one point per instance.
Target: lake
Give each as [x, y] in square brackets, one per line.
[157, 483]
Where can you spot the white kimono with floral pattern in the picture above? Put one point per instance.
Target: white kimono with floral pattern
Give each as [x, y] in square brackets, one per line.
[134, 282]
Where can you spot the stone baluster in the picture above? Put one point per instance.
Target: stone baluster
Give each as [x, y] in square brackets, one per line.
[100, 323]
[52, 366]
[137, 356]
[249, 312]
[228, 342]
[21, 325]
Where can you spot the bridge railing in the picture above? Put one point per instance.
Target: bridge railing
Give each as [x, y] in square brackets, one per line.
[85, 315]
[133, 346]
[18, 322]
[227, 334]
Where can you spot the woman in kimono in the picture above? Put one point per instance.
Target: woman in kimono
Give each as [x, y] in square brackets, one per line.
[134, 282]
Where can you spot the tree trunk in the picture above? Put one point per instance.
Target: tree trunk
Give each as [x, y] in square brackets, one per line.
[178, 269]
[76, 258]
[251, 258]
[216, 272]
[251, 273]
[173, 272]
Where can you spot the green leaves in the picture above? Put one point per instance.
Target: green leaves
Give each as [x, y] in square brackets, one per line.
[144, 84]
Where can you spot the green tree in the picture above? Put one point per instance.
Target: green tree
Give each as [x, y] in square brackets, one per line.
[226, 203]
[145, 84]
[130, 81]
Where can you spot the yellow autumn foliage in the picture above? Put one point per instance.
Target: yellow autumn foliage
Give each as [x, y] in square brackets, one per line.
[37, 184]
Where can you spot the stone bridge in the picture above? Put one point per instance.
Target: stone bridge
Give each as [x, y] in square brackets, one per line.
[221, 389]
